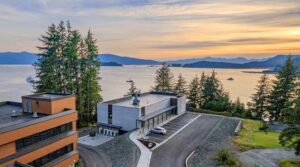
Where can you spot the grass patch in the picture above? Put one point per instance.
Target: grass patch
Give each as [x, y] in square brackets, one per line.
[251, 137]
[290, 162]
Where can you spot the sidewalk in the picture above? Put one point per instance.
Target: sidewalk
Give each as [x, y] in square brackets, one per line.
[145, 156]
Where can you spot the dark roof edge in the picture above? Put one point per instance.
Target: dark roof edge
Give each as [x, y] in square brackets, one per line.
[17, 104]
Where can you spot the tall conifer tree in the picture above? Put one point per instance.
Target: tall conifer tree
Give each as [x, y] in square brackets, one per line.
[180, 86]
[260, 100]
[283, 91]
[163, 80]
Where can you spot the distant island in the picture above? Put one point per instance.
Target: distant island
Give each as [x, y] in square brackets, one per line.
[110, 64]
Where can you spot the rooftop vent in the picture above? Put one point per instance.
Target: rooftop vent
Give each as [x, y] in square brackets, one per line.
[35, 115]
[14, 113]
[136, 101]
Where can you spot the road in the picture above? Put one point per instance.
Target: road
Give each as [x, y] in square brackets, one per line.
[92, 158]
[174, 152]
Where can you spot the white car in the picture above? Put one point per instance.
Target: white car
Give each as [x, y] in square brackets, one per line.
[159, 130]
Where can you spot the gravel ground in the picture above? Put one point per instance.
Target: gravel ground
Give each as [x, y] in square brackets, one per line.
[217, 139]
[264, 157]
[121, 151]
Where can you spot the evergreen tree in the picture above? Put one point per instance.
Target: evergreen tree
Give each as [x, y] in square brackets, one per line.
[201, 89]
[260, 100]
[214, 97]
[283, 91]
[69, 64]
[290, 136]
[163, 80]
[180, 86]
[238, 108]
[72, 55]
[211, 88]
[193, 93]
[46, 65]
[132, 90]
[90, 89]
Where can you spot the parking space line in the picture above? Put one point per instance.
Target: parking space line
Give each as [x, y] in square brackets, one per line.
[167, 139]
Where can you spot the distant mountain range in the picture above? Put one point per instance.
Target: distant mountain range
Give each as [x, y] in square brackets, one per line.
[207, 62]
[237, 60]
[106, 59]
[273, 63]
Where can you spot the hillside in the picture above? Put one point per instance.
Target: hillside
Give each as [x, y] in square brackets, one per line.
[126, 60]
[272, 63]
[17, 58]
[106, 59]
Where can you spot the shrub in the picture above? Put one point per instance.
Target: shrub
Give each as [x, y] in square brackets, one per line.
[224, 157]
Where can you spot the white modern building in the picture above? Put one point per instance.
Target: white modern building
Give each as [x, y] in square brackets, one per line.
[143, 111]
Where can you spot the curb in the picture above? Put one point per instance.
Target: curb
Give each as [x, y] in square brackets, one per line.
[187, 159]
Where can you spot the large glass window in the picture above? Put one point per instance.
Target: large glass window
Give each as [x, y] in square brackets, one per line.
[29, 140]
[52, 156]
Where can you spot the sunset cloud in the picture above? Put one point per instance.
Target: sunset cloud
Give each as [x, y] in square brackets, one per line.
[161, 29]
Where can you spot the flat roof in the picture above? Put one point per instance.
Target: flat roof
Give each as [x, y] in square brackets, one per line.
[145, 99]
[7, 120]
[48, 96]
[21, 119]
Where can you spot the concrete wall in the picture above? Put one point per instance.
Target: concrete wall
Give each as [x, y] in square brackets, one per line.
[157, 106]
[125, 117]
[102, 113]
[181, 104]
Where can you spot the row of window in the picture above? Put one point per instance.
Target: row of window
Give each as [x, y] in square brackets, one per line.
[30, 140]
[52, 156]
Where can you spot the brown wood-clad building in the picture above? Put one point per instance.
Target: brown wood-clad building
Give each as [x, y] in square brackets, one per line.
[40, 131]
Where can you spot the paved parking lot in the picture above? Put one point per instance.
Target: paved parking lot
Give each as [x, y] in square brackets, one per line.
[172, 127]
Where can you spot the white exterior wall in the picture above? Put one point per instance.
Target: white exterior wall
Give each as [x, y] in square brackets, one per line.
[102, 113]
[125, 117]
[181, 104]
[157, 106]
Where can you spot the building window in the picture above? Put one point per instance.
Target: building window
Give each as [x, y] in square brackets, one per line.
[143, 111]
[110, 114]
[52, 156]
[36, 138]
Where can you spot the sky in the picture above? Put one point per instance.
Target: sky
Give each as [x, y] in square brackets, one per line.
[160, 29]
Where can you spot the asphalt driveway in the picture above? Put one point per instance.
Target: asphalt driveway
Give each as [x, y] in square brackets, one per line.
[174, 152]
[172, 127]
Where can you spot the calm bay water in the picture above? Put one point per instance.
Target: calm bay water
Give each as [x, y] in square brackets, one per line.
[13, 80]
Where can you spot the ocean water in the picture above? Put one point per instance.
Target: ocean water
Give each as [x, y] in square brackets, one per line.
[113, 80]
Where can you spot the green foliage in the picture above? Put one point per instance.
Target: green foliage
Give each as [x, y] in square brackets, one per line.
[224, 157]
[251, 137]
[132, 89]
[181, 85]
[89, 86]
[223, 113]
[163, 80]
[194, 92]
[214, 97]
[290, 136]
[283, 91]
[260, 100]
[69, 64]
[238, 108]
[295, 162]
